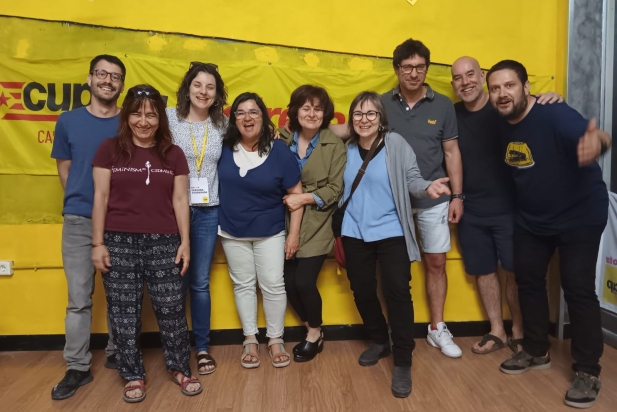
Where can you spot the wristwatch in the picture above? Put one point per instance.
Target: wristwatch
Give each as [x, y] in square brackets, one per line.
[458, 196]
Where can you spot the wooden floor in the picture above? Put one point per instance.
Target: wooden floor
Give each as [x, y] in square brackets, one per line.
[332, 382]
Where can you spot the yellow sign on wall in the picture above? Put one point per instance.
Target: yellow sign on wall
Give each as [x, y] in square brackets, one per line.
[40, 77]
[609, 289]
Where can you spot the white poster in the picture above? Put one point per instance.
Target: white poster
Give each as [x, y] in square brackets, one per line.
[606, 269]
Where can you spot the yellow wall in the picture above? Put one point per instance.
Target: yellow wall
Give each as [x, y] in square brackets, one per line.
[33, 301]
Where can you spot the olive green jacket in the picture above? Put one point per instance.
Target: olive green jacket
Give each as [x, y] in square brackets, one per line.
[322, 175]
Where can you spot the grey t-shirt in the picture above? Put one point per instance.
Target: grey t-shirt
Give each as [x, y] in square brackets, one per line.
[431, 122]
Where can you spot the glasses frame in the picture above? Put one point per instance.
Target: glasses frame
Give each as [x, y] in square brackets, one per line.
[257, 113]
[362, 114]
[95, 72]
[416, 67]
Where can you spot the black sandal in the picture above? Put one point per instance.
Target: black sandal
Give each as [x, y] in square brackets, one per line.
[487, 338]
[513, 344]
[209, 360]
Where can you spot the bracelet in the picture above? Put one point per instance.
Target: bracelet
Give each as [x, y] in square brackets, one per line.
[98, 244]
[458, 196]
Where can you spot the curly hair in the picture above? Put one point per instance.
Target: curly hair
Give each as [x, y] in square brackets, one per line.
[232, 135]
[183, 104]
[309, 93]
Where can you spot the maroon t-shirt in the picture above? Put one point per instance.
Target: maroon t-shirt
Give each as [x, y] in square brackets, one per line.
[140, 193]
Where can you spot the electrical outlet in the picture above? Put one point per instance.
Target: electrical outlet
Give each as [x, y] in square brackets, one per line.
[6, 267]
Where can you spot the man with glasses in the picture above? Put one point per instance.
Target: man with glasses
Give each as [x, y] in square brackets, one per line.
[426, 119]
[77, 137]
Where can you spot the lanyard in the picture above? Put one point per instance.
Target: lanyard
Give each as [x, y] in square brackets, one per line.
[199, 158]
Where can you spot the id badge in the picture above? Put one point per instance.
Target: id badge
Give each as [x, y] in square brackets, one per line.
[199, 190]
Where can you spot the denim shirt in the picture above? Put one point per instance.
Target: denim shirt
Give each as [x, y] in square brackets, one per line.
[302, 161]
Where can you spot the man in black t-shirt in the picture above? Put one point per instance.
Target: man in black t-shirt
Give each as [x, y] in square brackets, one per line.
[485, 230]
[562, 203]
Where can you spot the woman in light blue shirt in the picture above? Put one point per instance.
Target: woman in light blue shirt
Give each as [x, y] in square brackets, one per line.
[378, 227]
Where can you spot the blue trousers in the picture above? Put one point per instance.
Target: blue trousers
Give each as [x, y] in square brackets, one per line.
[204, 226]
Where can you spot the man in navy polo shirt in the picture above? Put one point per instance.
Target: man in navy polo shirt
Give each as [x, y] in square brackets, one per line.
[562, 203]
[77, 137]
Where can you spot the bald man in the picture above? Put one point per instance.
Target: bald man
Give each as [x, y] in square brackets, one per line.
[485, 231]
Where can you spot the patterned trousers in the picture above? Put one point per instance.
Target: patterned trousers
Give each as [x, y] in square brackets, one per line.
[137, 258]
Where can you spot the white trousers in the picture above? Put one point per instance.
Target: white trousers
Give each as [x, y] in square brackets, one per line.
[252, 261]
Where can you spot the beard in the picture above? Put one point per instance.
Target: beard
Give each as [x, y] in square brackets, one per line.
[94, 91]
[518, 108]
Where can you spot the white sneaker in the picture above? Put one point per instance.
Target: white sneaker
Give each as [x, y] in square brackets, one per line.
[442, 339]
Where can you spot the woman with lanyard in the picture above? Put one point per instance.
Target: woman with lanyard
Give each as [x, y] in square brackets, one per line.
[197, 124]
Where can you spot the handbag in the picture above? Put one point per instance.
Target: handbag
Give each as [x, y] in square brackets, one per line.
[337, 217]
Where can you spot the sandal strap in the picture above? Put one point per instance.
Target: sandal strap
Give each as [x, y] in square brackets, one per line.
[139, 385]
[207, 358]
[184, 381]
[275, 341]
[249, 341]
[513, 343]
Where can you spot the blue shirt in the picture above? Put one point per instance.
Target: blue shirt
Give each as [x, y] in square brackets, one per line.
[553, 193]
[77, 137]
[302, 161]
[371, 213]
[252, 206]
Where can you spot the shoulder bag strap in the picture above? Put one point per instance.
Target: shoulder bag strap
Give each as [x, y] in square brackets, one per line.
[362, 170]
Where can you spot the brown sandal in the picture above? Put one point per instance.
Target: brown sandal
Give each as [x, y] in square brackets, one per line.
[139, 385]
[203, 360]
[184, 382]
[498, 344]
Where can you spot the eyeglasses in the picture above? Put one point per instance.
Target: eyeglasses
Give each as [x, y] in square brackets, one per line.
[370, 115]
[153, 93]
[212, 65]
[408, 68]
[102, 74]
[254, 113]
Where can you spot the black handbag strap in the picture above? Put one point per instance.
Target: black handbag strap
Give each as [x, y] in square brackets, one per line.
[362, 170]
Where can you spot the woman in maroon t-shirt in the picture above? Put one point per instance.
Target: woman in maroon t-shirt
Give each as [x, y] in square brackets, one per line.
[140, 224]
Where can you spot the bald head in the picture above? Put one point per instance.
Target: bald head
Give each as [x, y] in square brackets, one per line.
[464, 64]
[468, 80]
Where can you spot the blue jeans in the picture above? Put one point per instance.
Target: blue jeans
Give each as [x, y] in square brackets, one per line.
[204, 227]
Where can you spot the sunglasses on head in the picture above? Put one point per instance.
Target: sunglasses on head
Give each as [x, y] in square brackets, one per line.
[212, 65]
[152, 93]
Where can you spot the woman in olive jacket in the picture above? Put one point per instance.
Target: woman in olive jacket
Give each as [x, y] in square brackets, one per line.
[322, 157]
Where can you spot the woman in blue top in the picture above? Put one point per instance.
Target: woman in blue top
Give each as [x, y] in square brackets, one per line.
[255, 172]
[378, 226]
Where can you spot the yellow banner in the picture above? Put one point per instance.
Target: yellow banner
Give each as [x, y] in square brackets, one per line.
[44, 66]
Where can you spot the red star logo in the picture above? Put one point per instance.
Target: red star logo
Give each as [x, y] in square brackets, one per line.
[4, 99]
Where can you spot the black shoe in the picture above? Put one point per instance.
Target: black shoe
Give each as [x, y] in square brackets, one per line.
[521, 362]
[373, 353]
[308, 350]
[72, 380]
[111, 362]
[401, 381]
[299, 346]
[584, 391]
